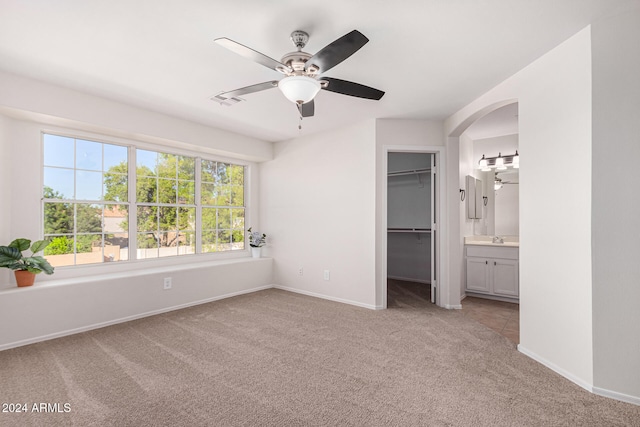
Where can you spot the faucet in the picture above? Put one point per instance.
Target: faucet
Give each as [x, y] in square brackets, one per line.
[498, 239]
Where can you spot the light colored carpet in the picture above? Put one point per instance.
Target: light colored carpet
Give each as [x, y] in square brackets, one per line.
[274, 358]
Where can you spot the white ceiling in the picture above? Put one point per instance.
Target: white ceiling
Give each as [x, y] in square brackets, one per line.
[431, 57]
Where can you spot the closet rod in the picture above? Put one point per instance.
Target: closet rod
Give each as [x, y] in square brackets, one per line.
[409, 172]
[409, 230]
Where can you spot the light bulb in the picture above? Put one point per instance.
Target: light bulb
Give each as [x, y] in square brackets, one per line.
[484, 166]
[500, 163]
[516, 160]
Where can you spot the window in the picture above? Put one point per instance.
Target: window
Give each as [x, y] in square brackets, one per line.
[166, 209]
[222, 198]
[84, 217]
[181, 205]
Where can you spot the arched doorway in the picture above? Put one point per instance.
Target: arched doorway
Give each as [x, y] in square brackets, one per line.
[451, 291]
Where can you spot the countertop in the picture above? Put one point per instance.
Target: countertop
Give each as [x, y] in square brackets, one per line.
[509, 241]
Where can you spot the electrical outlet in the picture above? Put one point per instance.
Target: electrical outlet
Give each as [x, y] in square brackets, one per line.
[326, 275]
[167, 283]
[300, 271]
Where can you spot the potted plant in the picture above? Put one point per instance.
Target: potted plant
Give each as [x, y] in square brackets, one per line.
[25, 267]
[256, 241]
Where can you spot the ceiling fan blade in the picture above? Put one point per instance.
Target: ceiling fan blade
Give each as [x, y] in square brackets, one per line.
[251, 54]
[336, 52]
[307, 109]
[231, 97]
[352, 89]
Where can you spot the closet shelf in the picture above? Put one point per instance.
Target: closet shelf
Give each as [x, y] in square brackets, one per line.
[410, 172]
[409, 230]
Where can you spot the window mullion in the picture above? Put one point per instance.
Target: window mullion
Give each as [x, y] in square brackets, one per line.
[198, 202]
[133, 204]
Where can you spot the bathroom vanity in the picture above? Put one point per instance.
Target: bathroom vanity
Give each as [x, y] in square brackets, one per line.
[492, 268]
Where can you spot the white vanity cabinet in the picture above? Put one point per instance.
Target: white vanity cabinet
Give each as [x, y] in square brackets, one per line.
[492, 271]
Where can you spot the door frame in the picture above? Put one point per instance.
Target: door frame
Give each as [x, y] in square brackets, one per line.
[437, 267]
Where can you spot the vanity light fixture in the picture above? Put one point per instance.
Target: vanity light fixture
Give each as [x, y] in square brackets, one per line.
[500, 162]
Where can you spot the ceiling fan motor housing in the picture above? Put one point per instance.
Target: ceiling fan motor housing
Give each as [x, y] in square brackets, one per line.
[299, 39]
[296, 61]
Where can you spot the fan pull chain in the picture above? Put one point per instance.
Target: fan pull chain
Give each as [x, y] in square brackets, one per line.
[300, 124]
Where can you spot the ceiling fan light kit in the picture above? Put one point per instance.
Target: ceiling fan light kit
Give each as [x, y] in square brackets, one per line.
[301, 69]
[299, 89]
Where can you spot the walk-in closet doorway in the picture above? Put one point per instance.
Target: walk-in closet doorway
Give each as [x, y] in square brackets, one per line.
[412, 232]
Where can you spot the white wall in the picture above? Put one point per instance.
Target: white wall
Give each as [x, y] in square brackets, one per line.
[554, 95]
[491, 147]
[318, 211]
[5, 186]
[49, 104]
[468, 227]
[467, 167]
[53, 309]
[616, 203]
[400, 135]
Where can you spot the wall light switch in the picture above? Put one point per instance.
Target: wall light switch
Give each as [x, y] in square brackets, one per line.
[326, 275]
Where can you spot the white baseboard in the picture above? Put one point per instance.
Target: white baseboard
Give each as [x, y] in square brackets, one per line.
[452, 306]
[578, 381]
[492, 297]
[126, 319]
[585, 385]
[342, 300]
[617, 396]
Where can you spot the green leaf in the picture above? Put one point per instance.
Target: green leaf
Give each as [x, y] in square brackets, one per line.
[39, 246]
[39, 263]
[6, 262]
[47, 268]
[20, 244]
[8, 253]
[16, 265]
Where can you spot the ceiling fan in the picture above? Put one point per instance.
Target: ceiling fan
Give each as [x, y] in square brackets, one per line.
[499, 182]
[302, 82]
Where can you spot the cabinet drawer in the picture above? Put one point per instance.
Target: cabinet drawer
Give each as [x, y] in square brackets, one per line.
[491, 252]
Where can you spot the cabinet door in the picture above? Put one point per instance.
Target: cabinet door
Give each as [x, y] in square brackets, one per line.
[478, 275]
[505, 277]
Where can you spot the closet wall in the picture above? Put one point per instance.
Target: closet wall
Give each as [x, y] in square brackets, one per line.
[409, 217]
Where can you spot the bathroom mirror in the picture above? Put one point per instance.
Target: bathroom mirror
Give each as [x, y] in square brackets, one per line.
[503, 202]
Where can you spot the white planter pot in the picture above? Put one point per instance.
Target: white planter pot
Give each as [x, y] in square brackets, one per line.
[255, 252]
